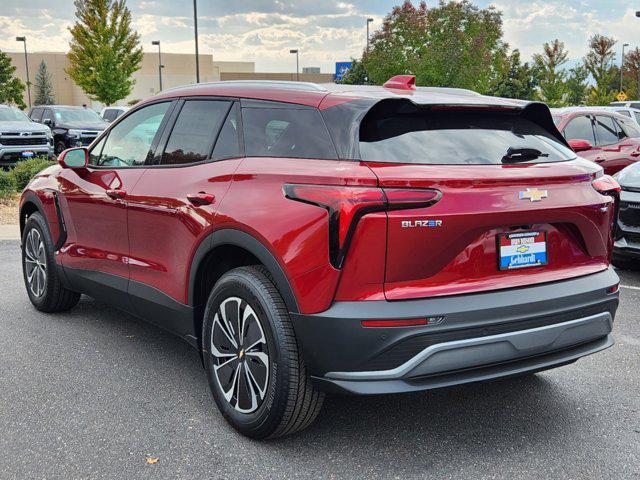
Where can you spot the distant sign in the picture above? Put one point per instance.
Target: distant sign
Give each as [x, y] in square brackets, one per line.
[621, 97]
[342, 68]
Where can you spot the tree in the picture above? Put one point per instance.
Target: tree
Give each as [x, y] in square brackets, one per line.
[43, 87]
[357, 74]
[552, 86]
[104, 51]
[513, 79]
[630, 73]
[599, 63]
[576, 85]
[11, 87]
[449, 45]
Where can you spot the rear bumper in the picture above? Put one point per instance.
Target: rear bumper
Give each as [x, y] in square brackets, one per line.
[481, 336]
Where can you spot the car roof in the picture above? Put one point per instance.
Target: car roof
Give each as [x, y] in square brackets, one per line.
[324, 95]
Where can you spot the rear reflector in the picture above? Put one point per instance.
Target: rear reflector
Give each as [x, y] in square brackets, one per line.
[613, 289]
[405, 322]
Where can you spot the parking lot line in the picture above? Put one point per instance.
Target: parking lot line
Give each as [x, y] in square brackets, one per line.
[629, 287]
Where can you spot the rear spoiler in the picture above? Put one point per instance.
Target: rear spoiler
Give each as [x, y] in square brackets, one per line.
[343, 120]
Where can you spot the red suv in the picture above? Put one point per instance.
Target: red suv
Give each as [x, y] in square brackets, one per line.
[363, 240]
[599, 135]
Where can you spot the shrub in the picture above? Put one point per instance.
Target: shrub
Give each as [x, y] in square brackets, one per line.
[7, 185]
[25, 170]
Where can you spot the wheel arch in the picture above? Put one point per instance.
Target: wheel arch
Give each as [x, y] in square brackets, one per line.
[29, 205]
[223, 250]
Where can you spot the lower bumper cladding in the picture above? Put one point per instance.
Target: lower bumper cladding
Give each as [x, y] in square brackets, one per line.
[483, 336]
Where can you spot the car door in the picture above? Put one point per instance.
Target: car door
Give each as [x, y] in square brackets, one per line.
[95, 200]
[173, 206]
[580, 127]
[611, 139]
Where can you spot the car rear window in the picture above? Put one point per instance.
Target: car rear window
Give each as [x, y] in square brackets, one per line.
[286, 132]
[453, 137]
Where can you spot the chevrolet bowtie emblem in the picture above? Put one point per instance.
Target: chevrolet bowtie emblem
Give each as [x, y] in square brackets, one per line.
[533, 194]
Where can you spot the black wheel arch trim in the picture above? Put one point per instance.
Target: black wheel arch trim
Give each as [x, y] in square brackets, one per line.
[31, 197]
[239, 238]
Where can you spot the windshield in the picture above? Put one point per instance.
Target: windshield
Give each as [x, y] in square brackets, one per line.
[80, 114]
[12, 114]
[455, 137]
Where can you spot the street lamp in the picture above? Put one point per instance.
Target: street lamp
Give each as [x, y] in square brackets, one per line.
[622, 63]
[369, 20]
[26, 64]
[297, 63]
[160, 66]
[195, 27]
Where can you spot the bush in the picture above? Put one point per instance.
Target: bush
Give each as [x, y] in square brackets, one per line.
[25, 170]
[7, 185]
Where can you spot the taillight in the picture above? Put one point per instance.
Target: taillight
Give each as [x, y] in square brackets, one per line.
[346, 205]
[606, 185]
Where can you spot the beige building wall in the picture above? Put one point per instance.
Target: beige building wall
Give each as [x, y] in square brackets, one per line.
[179, 69]
[304, 77]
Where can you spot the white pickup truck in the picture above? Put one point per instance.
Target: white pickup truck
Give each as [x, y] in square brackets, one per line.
[22, 138]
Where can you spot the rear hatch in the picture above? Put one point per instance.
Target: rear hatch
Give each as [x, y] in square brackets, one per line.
[517, 207]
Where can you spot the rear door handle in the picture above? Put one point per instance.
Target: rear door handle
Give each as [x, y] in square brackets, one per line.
[117, 194]
[599, 159]
[201, 198]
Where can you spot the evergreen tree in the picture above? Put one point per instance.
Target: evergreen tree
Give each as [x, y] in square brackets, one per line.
[552, 87]
[599, 63]
[11, 87]
[576, 85]
[43, 87]
[513, 78]
[104, 50]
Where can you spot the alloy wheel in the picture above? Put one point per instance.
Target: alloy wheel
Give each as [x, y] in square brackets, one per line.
[36, 263]
[240, 355]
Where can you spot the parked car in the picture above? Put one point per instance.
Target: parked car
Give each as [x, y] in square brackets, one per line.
[109, 114]
[602, 136]
[71, 126]
[632, 113]
[20, 138]
[626, 251]
[629, 103]
[363, 240]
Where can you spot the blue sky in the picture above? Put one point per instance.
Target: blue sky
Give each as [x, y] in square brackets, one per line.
[325, 31]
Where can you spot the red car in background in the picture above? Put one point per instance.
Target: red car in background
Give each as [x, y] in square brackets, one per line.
[605, 137]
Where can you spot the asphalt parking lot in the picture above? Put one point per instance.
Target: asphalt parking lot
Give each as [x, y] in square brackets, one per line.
[90, 393]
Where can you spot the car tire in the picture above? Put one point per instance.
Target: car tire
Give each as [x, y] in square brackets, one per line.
[39, 269]
[253, 364]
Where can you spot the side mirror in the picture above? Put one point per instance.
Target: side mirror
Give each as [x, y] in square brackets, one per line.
[578, 145]
[75, 158]
[47, 121]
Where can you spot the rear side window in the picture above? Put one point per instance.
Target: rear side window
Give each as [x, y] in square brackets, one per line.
[453, 137]
[626, 113]
[606, 130]
[194, 132]
[580, 128]
[629, 127]
[637, 115]
[284, 132]
[36, 114]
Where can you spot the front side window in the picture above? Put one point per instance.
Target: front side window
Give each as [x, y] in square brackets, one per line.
[129, 143]
[580, 128]
[629, 128]
[47, 115]
[284, 132]
[606, 130]
[194, 132]
[448, 137]
[110, 114]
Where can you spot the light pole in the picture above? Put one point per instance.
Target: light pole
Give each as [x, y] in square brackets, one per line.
[157, 42]
[638, 15]
[26, 64]
[622, 63]
[195, 27]
[369, 20]
[297, 63]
